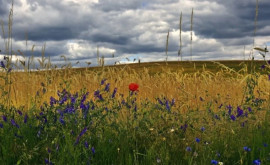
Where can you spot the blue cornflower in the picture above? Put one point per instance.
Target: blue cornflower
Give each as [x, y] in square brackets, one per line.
[233, 117]
[197, 140]
[202, 129]
[49, 150]
[189, 149]
[247, 148]
[214, 162]
[263, 67]
[114, 92]
[257, 162]
[1, 125]
[265, 145]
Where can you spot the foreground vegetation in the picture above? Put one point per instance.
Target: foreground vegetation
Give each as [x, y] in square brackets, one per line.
[92, 117]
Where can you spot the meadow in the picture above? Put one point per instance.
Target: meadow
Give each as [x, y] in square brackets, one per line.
[206, 113]
[172, 112]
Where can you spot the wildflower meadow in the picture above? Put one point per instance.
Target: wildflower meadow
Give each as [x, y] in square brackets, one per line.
[184, 113]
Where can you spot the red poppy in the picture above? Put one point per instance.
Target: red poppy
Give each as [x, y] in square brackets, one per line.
[133, 87]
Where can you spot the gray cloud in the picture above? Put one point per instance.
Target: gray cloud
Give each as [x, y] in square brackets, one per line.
[136, 28]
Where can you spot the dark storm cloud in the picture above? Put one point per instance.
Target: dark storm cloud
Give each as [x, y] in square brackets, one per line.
[3, 7]
[237, 20]
[115, 39]
[47, 33]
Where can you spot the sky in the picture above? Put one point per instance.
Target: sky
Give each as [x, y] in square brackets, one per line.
[131, 30]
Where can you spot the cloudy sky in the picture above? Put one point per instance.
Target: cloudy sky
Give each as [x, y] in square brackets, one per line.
[136, 29]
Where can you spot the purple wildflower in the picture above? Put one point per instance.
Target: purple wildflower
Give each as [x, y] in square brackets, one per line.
[107, 87]
[114, 92]
[61, 120]
[49, 150]
[214, 162]
[201, 99]
[167, 105]
[93, 150]
[103, 81]
[3, 65]
[188, 149]
[86, 144]
[52, 101]
[247, 148]
[202, 129]
[25, 118]
[239, 112]
[217, 117]
[268, 76]
[19, 112]
[14, 123]
[229, 109]
[263, 67]
[233, 117]
[257, 162]
[1, 125]
[73, 99]
[220, 106]
[84, 97]
[83, 132]
[249, 109]
[4, 118]
[63, 100]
